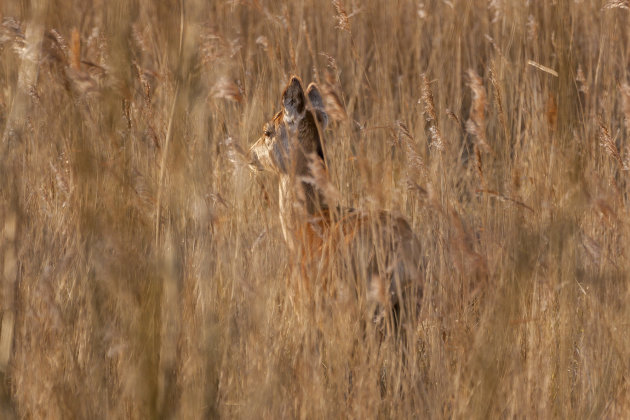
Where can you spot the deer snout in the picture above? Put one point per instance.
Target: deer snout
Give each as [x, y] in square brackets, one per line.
[254, 156]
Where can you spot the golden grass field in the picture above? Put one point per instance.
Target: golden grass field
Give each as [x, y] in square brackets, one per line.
[143, 268]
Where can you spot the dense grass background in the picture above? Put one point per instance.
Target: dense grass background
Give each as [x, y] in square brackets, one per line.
[143, 268]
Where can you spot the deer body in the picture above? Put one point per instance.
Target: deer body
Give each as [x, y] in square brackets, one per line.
[378, 248]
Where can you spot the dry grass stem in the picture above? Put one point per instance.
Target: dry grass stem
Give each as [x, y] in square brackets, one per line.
[608, 144]
[430, 116]
[624, 90]
[546, 69]
[476, 124]
[616, 4]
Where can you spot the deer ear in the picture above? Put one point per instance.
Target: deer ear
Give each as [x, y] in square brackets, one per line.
[318, 104]
[294, 101]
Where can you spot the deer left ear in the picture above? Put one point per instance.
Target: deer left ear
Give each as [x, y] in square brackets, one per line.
[294, 101]
[315, 98]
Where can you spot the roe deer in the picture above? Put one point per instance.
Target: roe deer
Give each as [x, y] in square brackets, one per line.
[379, 250]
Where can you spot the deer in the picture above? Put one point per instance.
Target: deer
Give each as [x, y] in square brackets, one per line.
[379, 249]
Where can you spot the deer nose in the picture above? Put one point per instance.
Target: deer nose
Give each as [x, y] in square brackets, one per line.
[254, 161]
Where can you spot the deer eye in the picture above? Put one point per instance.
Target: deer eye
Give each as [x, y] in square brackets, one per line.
[267, 130]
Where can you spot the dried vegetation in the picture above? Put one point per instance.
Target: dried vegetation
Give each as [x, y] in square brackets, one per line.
[143, 272]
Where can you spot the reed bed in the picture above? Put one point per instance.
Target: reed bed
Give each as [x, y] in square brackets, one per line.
[144, 273]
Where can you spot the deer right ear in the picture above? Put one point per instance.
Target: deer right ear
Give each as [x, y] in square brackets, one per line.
[294, 101]
[318, 104]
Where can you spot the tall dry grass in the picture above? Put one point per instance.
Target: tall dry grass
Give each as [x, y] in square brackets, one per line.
[143, 268]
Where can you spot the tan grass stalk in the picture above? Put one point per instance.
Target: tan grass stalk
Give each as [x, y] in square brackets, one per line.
[479, 167]
[496, 8]
[415, 162]
[462, 242]
[263, 42]
[455, 118]
[145, 196]
[593, 249]
[551, 111]
[580, 78]
[505, 198]
[235, 153]
[225, 88]
[546, 69]
[616, 4]
[10, 31]
[311, 51]
[343, 22]
[476, 124]
[6, 339]
[169, 131]
[9, 277]
[624, 90]
[58, 49]
[417, 178]
[430, 116]
[607, 142]
[532, 29]
[498, 100]
[334, 107]
[75, 50]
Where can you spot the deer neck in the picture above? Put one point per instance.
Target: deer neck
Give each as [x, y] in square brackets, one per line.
[300, 203]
